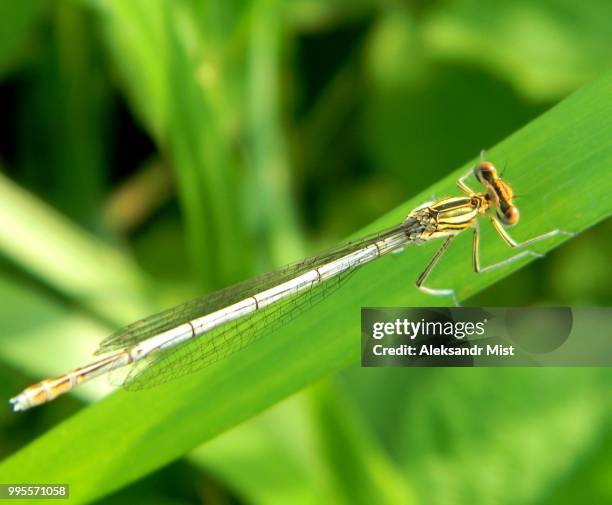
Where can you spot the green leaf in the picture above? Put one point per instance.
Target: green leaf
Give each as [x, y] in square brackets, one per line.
[546, 49]
[203, 161]
[63, 256]
[561, 161]
[362, 472]
[590, 474]
[53, 335]
[496, 423]
[191, 98]
[136, 36]
[446, 426]
[310, 448]
[66, 100]
[270, 208]
[272, 459]
[16, 22]
[310, 15]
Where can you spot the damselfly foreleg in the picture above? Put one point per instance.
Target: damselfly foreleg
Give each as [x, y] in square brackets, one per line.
[463, 186]
[461, 182]
[503, 233]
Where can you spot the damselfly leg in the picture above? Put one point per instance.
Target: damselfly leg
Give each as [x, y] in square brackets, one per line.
[463, 186]
[451, 216]
[430, 266]
[503, 233]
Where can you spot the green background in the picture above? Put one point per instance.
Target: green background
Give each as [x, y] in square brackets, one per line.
[152, 151]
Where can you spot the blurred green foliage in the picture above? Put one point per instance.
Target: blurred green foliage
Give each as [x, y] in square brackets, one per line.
[157, 149]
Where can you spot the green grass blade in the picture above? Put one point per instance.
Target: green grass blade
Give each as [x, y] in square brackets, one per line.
[179, 84]
[16, 23]
[362, 471]
[503, 421]
[442, 426]
[65, 257]
[204, 164]
[270, 207]
[561, 160]
[135, 34]
[272, 459]
[296, 452]
[66, 99]
[51, 338]
[543, 50]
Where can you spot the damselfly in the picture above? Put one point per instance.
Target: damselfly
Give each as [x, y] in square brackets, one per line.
[195, 334]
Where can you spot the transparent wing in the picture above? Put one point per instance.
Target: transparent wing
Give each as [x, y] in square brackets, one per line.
[170, 318]
[225, 340]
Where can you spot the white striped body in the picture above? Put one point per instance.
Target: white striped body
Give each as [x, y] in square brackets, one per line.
[49, 389]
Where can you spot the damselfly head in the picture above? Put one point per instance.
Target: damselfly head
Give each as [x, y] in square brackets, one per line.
[486, 173]
[499, 192]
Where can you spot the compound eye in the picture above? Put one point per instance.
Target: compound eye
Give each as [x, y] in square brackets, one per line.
[485, 171]
[510, 216]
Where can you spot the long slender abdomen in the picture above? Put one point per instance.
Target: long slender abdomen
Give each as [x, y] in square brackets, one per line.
[49, 389]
